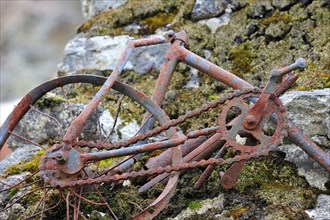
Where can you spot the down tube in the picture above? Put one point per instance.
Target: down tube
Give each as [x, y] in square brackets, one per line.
[235, 82]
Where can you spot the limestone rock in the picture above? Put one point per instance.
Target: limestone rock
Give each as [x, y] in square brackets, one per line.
[277, 30]
[42, 129]
[103, 52]
[12, 213]
[284, 4]
[147, 59]
[21, 154]
[91, 8]
[261, 9]
[204, 206]
[310, 112]
[315, 175]
[322, 208]
[11, 180]
[204, 9]
[96, 53]
[216, 22]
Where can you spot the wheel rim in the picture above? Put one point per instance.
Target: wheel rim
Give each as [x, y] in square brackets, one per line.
[37, 93]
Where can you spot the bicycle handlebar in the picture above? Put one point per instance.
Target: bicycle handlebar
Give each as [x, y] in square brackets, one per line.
[279, 72]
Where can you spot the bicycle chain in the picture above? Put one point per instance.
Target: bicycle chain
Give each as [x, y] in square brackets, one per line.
[172, 123]
[160, 170]
[169, 168]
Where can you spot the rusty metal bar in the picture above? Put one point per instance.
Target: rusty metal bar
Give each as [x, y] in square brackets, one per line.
[287, 82]
[148, 41]
[76, 125]
[210, 145]
[135, 149]
[165, 158]
[235, 82]
[314, 151]
[212, 70]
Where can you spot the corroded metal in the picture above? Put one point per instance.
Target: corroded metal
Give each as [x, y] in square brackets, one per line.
[64, 165]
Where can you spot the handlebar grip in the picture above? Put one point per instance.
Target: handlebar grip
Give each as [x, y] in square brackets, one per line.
[299, 64]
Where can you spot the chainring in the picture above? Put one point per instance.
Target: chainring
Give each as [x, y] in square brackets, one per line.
[270, 131]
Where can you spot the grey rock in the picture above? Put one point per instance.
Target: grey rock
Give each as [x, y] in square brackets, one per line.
[322, 208]
[310, 112]
[320, 140]
[277, 30]
[284, 4]
[315, 175]
[17, 209]
[215, 23]
[147, 59]
[96, 53]
[21, 154]
[326, 124]
[207, 204]
[91, 8]
[133, 28]
[238, 4]
[261, 9]
[42, 129]
[103, 53]
[204, 9]
[11, 180]
[251, 29]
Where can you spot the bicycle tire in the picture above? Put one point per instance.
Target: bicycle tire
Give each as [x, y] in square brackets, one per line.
[36, 94]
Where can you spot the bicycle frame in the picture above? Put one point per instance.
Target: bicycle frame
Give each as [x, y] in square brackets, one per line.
[203, 146]
[178, 53]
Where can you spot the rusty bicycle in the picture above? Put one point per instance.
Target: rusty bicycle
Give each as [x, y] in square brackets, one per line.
[75, 152]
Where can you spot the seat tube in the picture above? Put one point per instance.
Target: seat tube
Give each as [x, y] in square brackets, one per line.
[163, 81]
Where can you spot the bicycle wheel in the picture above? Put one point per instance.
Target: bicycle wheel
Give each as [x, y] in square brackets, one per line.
[52, 106]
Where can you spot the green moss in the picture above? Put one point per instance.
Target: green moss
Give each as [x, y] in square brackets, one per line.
[158, 20]
[314, 77]
[194, 205]
[105, 163]
[241, 57]
[236, 213]
[276, 17]
[12, 192]
[134, 11]
[49, 101]
[29, 166]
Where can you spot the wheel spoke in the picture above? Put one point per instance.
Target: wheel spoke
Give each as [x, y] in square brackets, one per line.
[27, 140]
[17, 200]
[53, 119]
[110, 210]
[17, 185]
[68, 103]
[116, 118]
[46, 210]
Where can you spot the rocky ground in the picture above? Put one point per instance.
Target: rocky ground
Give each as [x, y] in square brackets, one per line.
[248, 38]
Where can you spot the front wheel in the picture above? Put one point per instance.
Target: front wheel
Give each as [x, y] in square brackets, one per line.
[42, 118]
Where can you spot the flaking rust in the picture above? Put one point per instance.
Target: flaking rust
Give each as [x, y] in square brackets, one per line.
[251, 123]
